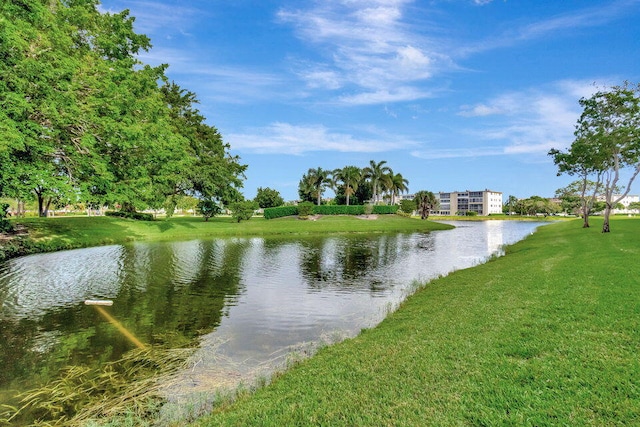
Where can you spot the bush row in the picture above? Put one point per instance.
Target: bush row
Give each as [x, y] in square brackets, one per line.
[270, 213]
[384, 210]
[338, 210]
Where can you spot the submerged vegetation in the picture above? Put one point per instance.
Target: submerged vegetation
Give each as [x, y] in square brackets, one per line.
[131, 385]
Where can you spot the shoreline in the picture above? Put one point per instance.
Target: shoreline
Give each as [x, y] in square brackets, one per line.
[521, 339]
[64, 233]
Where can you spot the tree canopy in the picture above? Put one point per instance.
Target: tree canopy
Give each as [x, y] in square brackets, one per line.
[83, 120]
[607, 141]
[268, 198]
[425, 202]
[354, 185]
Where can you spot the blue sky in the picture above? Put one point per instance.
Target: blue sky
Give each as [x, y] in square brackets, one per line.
[453, 94]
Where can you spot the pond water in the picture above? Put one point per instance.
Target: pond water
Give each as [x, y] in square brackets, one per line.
[245, 304]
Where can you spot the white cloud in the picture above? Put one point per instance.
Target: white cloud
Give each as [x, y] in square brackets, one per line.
[564, 23]
[221, 83]
[529, 122]
[153, 16]
[385, 96]
[368, 49]
[497, 106]
[323, 79]
[285, 138]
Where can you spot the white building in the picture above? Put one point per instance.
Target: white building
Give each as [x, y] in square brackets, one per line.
[484, 202]
[626, 201]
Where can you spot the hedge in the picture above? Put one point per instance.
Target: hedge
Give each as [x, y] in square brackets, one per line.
[384, 210]
[338, 210]
[271, 213]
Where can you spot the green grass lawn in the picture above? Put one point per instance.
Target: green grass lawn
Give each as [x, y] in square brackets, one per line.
[548, 335]
[51, 234]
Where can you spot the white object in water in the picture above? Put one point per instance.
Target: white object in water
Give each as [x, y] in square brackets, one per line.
[98, 302]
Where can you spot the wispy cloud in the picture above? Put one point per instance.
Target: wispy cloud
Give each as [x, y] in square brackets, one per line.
[152, 16]
[234, 85]
[367, 49]
[528, 122]
[560, 24]
[285, 138]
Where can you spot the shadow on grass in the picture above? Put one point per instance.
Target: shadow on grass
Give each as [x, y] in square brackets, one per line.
[171, 223]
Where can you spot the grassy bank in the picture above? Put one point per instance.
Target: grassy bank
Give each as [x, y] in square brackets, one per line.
[547, 335]
[52, 234]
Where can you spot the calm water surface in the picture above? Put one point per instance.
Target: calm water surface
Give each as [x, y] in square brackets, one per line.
[244, 303]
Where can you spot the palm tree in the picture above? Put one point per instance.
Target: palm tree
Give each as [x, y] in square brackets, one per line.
[425, 202]
[306, 189]
[319, 179]
[396, 184]
[350, 177]
[386, 183]
[375, 173]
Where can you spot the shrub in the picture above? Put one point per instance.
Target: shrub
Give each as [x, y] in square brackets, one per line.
[243, 210]
[407, 206]
[368, 209]
[471, 213]
[271, 213]
[5, 225]
[305, 209]
[208, 208]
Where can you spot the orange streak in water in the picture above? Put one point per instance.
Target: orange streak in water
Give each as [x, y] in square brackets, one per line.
[119, 327]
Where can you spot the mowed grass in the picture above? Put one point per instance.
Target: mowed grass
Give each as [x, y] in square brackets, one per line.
[50, 234]
[548, 335]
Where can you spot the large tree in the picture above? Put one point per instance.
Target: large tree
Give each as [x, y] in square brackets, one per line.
[211, 171]
[83, 120]
[313, 184]
[509, 207]
[582, 161]
[349, 177]
[425, 202]
[375, 173]
[537, 205]
[268, 198]
[607, 141]
[395, 184]
[579, 197]
[39, 101]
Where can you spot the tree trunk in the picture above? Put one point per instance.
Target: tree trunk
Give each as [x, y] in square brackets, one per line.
[128, 207]
[46, 207]
[605, 224]
[585, 215]
[42, 211]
